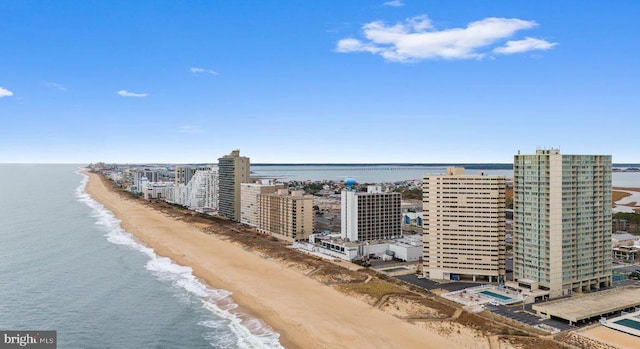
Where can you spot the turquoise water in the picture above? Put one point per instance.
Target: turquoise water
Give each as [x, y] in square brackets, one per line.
[629, 323]
[619, 277]
[66, 265]
[395, 269]
[497, 296]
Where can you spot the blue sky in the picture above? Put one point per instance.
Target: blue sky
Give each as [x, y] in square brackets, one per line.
[317, 81]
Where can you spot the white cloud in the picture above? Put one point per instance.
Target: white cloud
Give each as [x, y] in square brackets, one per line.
[203, 71]
[55, 85]
[354, 45]
[527, 44]
[417, 39]
[5, 93]
[394, 3]
[125, 93]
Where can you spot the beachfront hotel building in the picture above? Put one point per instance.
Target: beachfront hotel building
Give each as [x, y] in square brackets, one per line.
[233, 170]
[202, 191]
[562, 222]
[152, 176]
[183, 174]
[249, 199]
[463, 226]
[286, 215]
[370, 215]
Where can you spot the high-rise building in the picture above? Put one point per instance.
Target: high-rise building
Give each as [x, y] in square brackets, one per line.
[151, 175]
[463, 226]
[562, 221]
[286, 215]
[233, 169]
[184, 173]
[137, 178]
[249, 199]
[203, 191]
[370, 215]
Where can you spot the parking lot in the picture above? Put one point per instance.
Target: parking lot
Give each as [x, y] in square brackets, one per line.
[625, 268]
[432, 285]
[516, 313]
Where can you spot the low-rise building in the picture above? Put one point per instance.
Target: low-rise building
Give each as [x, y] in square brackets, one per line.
[622, 238]
[629, 253]
[407, 249]
[347, 251]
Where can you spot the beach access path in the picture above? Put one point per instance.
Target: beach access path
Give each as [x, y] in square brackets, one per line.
[306, 313]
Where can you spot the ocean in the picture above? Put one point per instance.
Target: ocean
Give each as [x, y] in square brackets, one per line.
[66, 265]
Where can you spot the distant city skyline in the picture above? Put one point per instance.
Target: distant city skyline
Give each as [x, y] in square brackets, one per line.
[317, 82]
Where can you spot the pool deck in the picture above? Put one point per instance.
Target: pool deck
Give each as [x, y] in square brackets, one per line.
[474, 296]
[496, 295]
[612, 323]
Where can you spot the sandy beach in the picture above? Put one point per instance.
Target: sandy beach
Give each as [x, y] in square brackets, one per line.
[612, 337]
[306, 313]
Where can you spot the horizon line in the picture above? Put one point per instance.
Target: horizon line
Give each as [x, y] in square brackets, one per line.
[293, 163]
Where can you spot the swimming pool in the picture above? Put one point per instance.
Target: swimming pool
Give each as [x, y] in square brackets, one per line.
[496, 295]
[392, 270]
[629, 323]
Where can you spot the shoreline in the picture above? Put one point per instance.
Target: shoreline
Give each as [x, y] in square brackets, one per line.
[626, 200]
[305, 312]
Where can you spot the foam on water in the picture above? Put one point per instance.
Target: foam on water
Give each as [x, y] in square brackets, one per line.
[233, 329]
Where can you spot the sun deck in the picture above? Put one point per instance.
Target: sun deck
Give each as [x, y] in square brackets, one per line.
[628, 323]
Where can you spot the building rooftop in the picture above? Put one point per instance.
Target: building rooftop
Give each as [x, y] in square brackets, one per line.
[627, 248]
[591, 305]
[405, 241]
[623, 236]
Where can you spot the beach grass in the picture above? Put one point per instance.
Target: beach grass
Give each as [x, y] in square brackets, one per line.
[375, 288]
[619, 195]
[538, 343]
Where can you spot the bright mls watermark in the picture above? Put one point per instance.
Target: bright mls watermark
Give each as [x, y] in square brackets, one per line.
[28, 339]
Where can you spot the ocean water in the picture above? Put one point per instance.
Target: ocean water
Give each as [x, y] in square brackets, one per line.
[67, 265]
